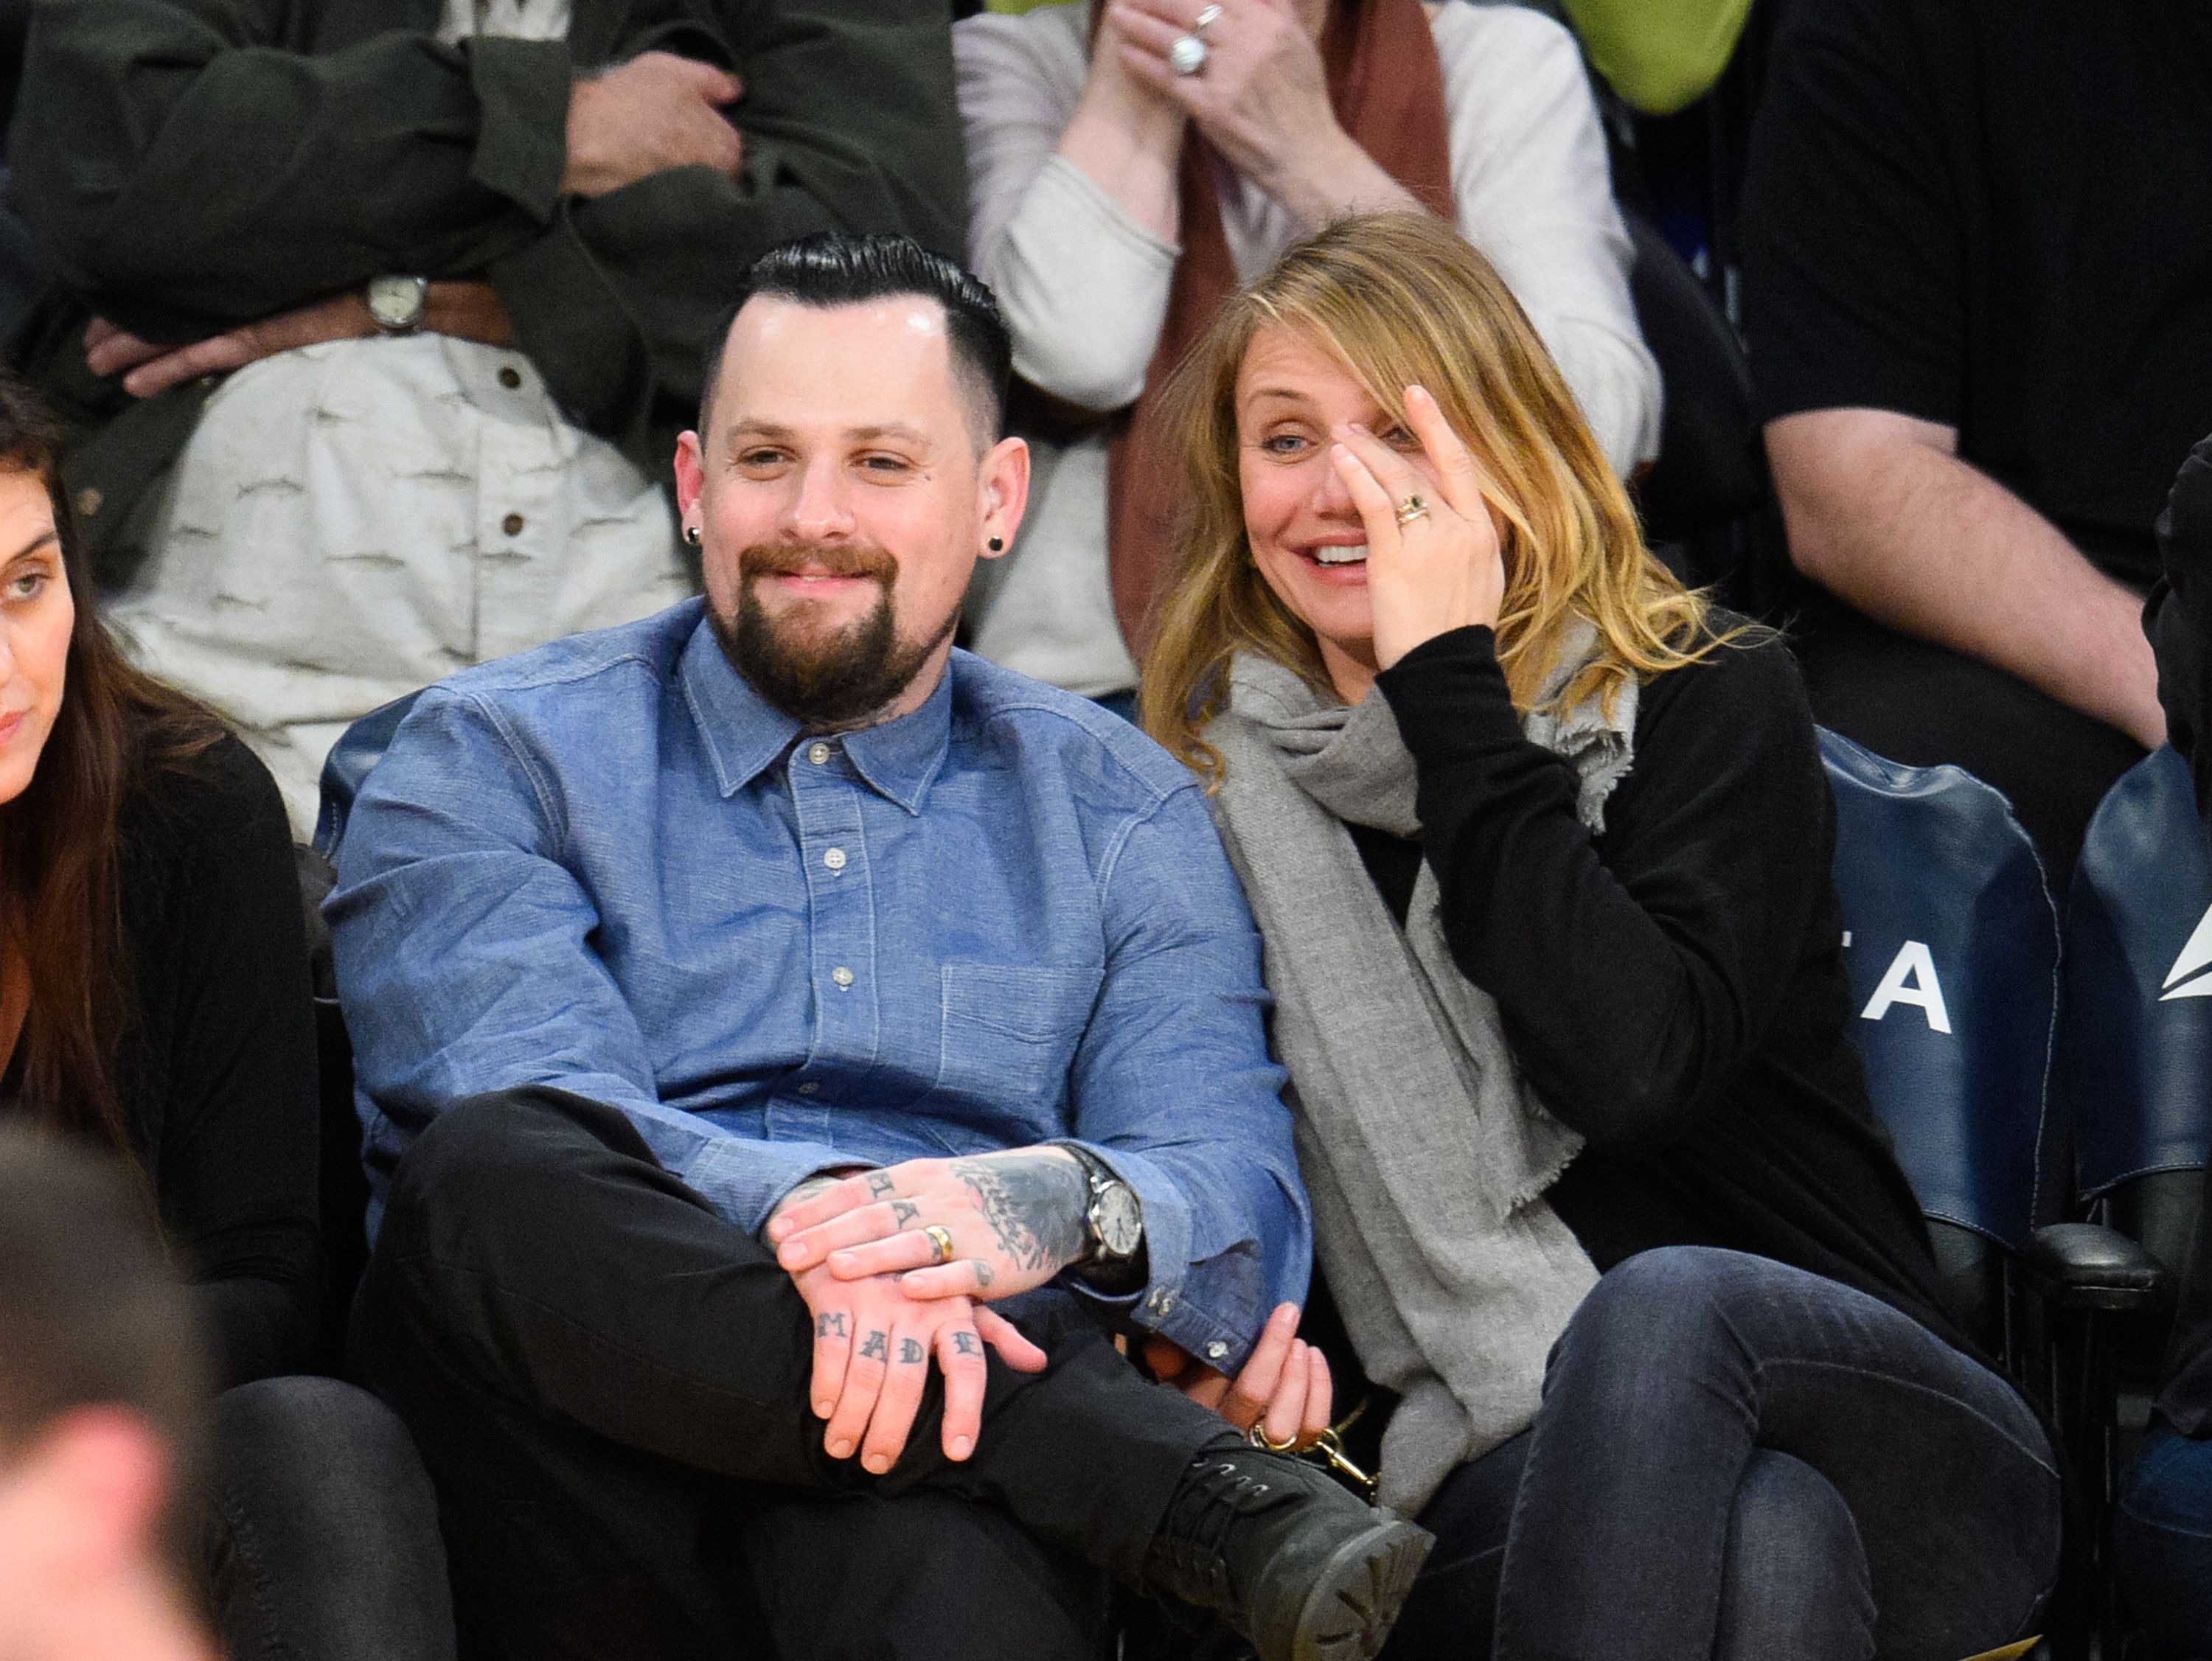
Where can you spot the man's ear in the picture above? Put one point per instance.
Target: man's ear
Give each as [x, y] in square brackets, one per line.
[1004, 484]
[690, 476]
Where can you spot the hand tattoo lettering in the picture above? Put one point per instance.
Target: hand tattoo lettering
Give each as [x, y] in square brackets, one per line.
[911, 1353]
[873, 1347]
[963, 1343]
[1034, 1204]
[905, 1212]
[880, 1184]
[830, 1327]
[984, 1273]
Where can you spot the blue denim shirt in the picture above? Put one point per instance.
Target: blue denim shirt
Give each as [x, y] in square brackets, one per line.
[608, 866]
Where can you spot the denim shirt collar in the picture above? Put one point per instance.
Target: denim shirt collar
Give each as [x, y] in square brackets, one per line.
[743, 733]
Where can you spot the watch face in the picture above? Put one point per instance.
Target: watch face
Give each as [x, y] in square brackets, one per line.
[1120, 1221]
[396, 302]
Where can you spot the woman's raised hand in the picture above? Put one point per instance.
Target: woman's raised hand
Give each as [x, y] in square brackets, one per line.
[1432, 571]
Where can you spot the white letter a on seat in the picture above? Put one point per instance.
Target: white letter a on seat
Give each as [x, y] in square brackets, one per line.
[1911, 979]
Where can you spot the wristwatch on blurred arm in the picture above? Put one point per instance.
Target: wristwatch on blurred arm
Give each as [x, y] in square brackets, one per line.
[1113, 1220]
[397, 302]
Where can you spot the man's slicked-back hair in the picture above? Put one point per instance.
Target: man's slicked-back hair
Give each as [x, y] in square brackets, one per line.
[838, 268]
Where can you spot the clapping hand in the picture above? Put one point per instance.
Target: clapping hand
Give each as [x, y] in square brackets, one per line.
[1433, 570]
[1261, 99]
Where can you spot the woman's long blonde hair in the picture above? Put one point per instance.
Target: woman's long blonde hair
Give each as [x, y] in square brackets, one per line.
[1405, 301]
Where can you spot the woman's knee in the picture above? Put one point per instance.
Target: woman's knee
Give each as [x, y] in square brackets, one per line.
[1663, 1307]
[1795, 1581]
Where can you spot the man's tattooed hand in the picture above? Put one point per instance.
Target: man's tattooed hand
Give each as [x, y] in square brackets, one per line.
[871, 1346]
[1034, 1201]
[831, 1325]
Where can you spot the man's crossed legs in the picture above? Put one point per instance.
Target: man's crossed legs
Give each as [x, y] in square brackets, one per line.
[608, 1385]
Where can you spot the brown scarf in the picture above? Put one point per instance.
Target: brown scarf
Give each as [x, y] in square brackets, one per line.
[1388, 89]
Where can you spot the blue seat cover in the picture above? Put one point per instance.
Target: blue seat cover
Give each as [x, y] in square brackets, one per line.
[347, 767]
[1952, 949]
[2135, 1042]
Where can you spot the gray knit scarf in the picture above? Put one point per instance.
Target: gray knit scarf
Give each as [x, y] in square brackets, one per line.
[1425, 1152]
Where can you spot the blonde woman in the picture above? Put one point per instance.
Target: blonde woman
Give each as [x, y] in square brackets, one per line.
[1539, 843]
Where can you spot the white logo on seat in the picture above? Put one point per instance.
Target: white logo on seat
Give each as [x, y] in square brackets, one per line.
[2187, 979]
[1910, 978]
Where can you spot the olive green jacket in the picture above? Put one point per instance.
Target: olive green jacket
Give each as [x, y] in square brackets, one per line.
[191, 164]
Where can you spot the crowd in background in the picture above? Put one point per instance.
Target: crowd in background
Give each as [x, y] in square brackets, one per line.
[370, 335]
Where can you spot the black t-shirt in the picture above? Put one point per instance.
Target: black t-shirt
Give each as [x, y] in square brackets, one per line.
[1673, 988]
[1996, 215]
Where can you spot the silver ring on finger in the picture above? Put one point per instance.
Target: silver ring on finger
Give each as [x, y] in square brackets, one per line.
[940, 1239]
[1187, 55]
[1256, 1434]
[1207, 18]
[1411, 509]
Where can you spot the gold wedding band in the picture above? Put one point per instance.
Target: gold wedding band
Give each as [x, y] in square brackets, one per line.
[1411, 509]
[941, 1237]
[1257, 1435]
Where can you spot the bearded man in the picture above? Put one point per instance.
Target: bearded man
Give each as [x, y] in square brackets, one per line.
[788, 1046]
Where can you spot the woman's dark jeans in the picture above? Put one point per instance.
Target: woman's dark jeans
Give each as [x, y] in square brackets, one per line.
[2162, 1543]
[1735, 1458]
[321, 1529]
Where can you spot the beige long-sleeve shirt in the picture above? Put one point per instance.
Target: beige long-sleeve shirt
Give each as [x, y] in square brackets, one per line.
[1085, 288]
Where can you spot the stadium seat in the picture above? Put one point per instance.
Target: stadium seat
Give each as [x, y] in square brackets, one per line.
[1951, 943]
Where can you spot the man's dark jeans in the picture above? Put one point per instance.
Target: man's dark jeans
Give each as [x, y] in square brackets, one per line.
[1738, 1459]
[608, 1382]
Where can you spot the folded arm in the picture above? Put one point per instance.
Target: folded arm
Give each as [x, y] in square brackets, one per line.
[1881, 511]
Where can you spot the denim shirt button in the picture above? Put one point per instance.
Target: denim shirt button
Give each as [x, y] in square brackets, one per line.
[835, 859]
[844, 977]
[809, 1087]
[818, 754]
[1216, 1350]
[1162, 1301]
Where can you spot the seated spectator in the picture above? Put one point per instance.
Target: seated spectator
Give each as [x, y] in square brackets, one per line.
[1538, 844]
[1979, 303]
[2162, 1539]
[709, 975]
[378, 332]
[153, 1002]
[1130, 165]
[102, 1417]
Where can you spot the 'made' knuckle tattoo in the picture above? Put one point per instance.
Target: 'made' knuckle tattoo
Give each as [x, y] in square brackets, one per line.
[830, 1327]
[911, 1353]
[984, 1273]
[1034, 1204]
[880, 1184]
[872, 1348]
[963, 1343]
[905, 1212]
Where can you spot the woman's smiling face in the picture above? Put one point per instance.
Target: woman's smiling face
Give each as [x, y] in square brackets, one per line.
[1304, 532]
[36, 617]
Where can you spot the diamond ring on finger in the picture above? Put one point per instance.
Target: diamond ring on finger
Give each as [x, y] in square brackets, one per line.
[1206, 19]
[1187, 55]
[1411, 509]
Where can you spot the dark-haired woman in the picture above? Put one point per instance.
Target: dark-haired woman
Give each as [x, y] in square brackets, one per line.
[153, 1001]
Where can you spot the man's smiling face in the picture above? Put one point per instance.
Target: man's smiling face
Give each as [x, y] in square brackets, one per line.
[843, 492]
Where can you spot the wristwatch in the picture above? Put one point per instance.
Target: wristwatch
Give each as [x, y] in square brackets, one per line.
[1113, 1219]
[397, 302]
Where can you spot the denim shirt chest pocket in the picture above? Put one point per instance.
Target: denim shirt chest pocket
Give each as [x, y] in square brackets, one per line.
[1009, 1033]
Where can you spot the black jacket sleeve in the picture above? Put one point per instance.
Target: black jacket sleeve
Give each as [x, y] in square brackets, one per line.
[1637, 973]
[223, 1067]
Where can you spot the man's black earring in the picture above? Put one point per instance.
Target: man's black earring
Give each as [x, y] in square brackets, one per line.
[691, 534]
[998, 544]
